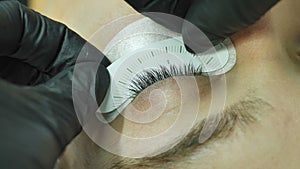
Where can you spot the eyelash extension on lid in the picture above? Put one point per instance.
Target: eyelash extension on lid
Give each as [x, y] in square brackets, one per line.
[150, 76]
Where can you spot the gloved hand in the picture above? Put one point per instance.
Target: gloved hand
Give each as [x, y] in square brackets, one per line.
[37, 59]
[218, 19]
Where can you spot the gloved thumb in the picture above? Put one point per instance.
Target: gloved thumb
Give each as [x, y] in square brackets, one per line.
[220, 19]
[197, 40]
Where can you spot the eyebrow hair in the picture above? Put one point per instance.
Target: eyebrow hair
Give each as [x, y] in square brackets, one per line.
[242, 114]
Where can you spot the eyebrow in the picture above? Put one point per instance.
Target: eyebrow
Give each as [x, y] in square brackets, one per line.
[240, 114]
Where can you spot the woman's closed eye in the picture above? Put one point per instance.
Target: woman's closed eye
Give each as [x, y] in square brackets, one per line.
[151, 76]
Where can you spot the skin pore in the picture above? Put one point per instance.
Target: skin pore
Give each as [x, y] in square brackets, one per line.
[262, 110]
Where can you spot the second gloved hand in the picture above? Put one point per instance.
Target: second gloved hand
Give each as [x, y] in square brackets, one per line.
[218, 19]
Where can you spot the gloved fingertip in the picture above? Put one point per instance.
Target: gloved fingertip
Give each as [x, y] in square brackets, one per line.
[105, 61]
[197, 41]
[189, 49]
[194, 39]
[214, 39]
[196, 45]
[102, 83]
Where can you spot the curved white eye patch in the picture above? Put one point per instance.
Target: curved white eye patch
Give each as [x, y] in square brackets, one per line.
[216, 61]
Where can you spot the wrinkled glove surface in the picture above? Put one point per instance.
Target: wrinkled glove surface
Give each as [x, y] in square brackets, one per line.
[37, 59]
[217, 19]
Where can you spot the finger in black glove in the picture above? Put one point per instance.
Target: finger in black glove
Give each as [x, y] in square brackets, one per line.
[218, 19]
[37, 119]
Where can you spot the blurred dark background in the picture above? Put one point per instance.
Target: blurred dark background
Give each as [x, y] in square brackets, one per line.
[25, 2]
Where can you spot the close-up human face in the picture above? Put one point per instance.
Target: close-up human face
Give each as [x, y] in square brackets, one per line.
[260, 122]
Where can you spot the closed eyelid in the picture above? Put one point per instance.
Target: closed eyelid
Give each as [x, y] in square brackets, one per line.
[172, 96]
[171, 112]
[149, 77]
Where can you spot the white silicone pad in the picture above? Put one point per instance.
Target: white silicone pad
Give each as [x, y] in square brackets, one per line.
[216, 61]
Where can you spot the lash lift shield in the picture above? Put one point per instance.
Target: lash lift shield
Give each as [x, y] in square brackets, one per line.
[168, 52]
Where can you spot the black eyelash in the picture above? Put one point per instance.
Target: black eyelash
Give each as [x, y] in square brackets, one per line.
[148, 77]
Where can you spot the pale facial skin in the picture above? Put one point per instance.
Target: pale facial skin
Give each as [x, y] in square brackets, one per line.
[267, 72]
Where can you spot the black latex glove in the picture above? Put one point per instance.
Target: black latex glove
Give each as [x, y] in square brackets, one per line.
[218, 19]
[37, 58]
